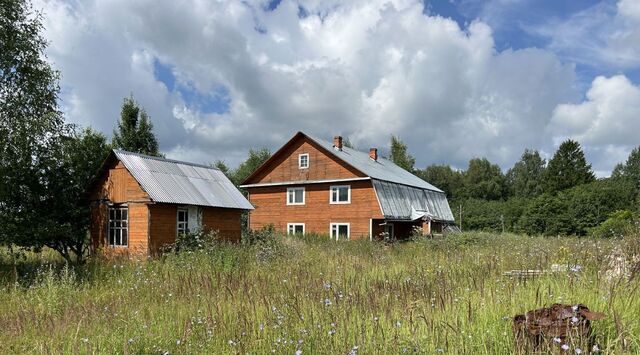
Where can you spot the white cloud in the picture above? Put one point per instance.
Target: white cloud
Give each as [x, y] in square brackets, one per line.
[364, 69]
[607, 122]
[601, 35]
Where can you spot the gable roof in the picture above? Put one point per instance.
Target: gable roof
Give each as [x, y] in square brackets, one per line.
[382, 169]
[173, 181]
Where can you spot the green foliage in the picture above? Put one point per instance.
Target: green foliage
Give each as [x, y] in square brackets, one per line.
[443, 177]
[575, 211]
[619, 224]
[630, 170]
[567, 168]
[134, 130]
[525, 178]
[246, 168]
[193, 241]
[484, 180]
[400, 156]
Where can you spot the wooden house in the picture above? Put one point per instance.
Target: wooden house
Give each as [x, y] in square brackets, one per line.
[141, 203]
[312, 185]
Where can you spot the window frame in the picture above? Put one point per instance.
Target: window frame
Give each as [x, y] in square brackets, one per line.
[338, 225]
[119, 228]
[293, 202]
[300, 161]
[184, 230]
[294, 225]
[338, 202]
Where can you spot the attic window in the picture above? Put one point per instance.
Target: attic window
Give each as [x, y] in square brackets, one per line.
[303, 161]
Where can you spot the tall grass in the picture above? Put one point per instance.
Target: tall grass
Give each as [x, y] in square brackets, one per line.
[317, 296]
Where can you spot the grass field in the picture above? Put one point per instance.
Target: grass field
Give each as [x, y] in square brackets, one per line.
[316, 296]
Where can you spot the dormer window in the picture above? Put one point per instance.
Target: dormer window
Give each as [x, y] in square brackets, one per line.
[303, 161]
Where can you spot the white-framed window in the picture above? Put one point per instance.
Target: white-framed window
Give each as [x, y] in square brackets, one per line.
[340, 194]
[303, 161]
[183, 221]
[295, 228]
[340, 231]
[295, 196]
[390, 230]
[118, 231]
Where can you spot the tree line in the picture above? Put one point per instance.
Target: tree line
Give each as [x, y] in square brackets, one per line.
[561, 196]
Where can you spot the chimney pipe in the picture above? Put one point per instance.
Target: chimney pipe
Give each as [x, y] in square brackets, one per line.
[337, 142]
[373, 154]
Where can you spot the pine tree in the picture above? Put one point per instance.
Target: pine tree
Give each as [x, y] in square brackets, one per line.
[134, 131]
[400, 156]
[567, 168]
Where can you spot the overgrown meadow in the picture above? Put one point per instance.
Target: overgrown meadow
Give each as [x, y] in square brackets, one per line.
[312, 295]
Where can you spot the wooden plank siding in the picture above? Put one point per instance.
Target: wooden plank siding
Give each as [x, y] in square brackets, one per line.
[118, 186]
[317, 213]
[322, 166]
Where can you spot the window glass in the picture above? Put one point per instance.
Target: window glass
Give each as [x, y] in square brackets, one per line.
[183, 221]
[295, 196]
[117, 234]
[303, 161]
[340, 194]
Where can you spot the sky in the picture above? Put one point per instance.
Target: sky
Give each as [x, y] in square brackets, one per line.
[454, 79]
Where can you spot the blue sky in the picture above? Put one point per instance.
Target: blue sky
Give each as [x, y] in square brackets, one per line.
[455, 79]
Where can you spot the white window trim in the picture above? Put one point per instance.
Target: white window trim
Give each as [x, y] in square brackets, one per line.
[181, 209]
[300, 161]
[122, 207]
[331, 201]
[337, 225]
[293, 189]
[289, 225]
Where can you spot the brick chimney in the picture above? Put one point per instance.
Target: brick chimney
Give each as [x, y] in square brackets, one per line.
[337, 142]
[373, 154]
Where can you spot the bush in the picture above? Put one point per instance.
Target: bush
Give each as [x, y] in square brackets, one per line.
[619, 224]
[201, 240]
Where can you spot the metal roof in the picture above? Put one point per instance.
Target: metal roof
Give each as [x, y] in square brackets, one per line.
[172, 181]
[402, 201]
[381, 169]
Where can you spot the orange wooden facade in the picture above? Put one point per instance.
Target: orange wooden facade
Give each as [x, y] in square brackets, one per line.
[150, 225]
[317, 213]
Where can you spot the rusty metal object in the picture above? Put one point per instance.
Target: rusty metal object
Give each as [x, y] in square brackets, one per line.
[561, 326]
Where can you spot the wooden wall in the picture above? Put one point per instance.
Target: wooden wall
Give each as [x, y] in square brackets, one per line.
[317, 213]
[164, 219]
[322, 165]
[119, 187]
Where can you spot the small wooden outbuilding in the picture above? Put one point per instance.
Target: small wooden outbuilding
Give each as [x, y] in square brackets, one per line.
[140, 203]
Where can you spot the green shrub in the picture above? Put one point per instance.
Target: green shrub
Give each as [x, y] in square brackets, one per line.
[619, 224]
[200, 240]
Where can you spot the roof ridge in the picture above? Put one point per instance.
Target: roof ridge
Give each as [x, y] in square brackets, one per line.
[165, 159]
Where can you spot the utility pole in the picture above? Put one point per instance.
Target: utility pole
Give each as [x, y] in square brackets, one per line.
[502, 222]
[460, 217]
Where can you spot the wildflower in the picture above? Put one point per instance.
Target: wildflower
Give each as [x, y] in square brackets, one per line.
[574, 308]
[298, 352]
[327, 302]
[232, 343]
[333, 325]
[300, 341]
[506, 318]
[332, 332]
[578, 351]
[398, 324]
[565, 347]
[85, 340]
[574, 320]
[130, 340]
[178, 342]
[595, 349]
[375, 319]
[261, 327]
[327, 285]
[557, 340]
[439, 350]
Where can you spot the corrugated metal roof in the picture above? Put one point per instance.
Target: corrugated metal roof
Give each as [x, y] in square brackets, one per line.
[382, 169]
[172, 181]
[399, 201]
